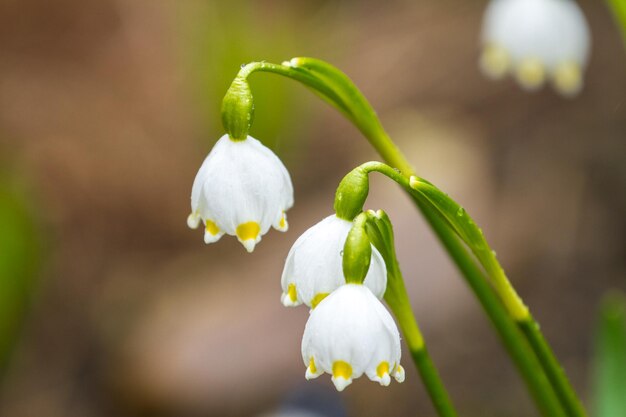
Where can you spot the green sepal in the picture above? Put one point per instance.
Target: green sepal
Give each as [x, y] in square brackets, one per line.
[357, 252]
[238, 109]
[351, 194]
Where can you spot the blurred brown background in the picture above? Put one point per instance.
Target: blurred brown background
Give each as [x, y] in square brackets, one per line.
[108, 107]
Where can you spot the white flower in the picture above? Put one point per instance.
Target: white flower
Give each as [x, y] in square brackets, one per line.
[536, 40]
[241, 189]
[314, 265]
[349, 334]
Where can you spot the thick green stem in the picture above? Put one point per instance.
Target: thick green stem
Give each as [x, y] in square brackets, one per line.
[380, 233]
[618, 8]
[513, 340]
[398, 300]
[553, 369]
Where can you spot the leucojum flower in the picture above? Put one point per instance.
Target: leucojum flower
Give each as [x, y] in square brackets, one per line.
[536, 41]
[314, 265]
[349, 334]
[334, 268]
[242, 189]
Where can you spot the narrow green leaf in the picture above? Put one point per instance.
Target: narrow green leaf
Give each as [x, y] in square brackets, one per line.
[19, 261]
[610, 363]
[618, 8]
[463, 225]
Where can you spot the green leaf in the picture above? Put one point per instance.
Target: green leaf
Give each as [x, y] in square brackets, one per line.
[462, 224]
[618, 8]
[610, 362]
[19, 262]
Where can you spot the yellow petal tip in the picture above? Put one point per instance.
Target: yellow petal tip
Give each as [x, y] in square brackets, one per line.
[495, 61]
[530, 74]
[568, 79]
[248, 234]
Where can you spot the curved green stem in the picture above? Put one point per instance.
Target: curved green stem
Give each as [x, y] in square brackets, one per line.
[398, 301]
[553, 368]
[337, 89]
[514, 341]
[380, 233]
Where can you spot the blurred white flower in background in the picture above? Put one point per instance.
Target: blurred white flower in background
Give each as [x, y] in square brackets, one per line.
[536, 41]
[313, 268]
[241, 189]
[349, 334]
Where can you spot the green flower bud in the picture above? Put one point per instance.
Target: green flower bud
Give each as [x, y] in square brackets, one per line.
[238, 109]
[351, 194]
[357, 252]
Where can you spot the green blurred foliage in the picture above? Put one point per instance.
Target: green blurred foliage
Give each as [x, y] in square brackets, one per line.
[610, 362]
[618, 8]
[221, 36]
[19, 263]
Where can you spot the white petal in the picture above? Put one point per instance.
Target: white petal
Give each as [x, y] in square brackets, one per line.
[341, 383]
[280, 223]
[211, 238]
[385, 380]
[241, 187]
[249, 244]
[193, 220]
[310, 374]
[567, 79]
[286, 190]
[549, 30]
[201, 178]
[285, 298]
[533, 39]
[399, 374]
[352, 326]
[376, 278]
[314, 263]
[241, 182]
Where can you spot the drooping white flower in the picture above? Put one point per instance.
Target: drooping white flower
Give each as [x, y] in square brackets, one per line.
[241, 189]
[349, 334]
[314, 265]
[536, 40]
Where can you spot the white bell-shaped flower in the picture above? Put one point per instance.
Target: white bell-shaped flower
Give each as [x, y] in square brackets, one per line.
[241, 189]
[314, 265]
[535, 41]
[349, 334]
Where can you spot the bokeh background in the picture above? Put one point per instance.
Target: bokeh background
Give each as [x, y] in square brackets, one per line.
[110, 306]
